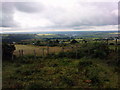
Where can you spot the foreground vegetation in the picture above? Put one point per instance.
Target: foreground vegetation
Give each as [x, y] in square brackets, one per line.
[94, 66]
[59, 73]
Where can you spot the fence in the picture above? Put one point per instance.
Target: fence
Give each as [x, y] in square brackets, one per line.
[50, 50]
[44, 51]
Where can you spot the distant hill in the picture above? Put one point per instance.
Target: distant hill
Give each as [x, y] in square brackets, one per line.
[58, 35]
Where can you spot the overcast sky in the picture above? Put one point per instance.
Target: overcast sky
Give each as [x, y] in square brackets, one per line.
[58, 15]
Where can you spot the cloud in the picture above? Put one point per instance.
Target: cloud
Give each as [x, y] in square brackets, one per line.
[9, 9]
[62, 14]
[7, 15]
[29, 7]
[83, 14]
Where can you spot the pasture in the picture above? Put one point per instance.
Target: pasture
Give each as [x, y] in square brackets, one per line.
[40, 50]
[29, 50]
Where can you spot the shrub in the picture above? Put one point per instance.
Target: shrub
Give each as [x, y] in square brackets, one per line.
[94, 50]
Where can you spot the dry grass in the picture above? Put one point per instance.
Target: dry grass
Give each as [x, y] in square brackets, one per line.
[29, 49]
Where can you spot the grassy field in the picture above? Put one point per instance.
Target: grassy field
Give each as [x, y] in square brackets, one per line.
[28, 49]
[58, 73]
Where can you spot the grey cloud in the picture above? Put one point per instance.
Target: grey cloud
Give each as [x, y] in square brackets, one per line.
[29, 7]
[7, 15]
[8, 10]
[97, 14]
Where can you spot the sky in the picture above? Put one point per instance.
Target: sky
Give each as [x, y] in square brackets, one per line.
[58, 15]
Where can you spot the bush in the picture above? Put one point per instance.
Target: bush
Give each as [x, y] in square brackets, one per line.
[93, 50]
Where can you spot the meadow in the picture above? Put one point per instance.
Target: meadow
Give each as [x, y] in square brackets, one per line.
[29, 50]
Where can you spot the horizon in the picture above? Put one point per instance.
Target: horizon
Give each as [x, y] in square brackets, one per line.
[54, 32]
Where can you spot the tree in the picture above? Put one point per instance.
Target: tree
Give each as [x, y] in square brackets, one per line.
[37, 43]
[73, 41]
[57, 41]
[7, 51]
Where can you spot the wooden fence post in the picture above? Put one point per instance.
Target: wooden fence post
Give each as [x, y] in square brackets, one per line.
[54, 51]
[19, 53]
[43, 51]
[47, 50]
[107, 41]
[63, 49]
[34, 54]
